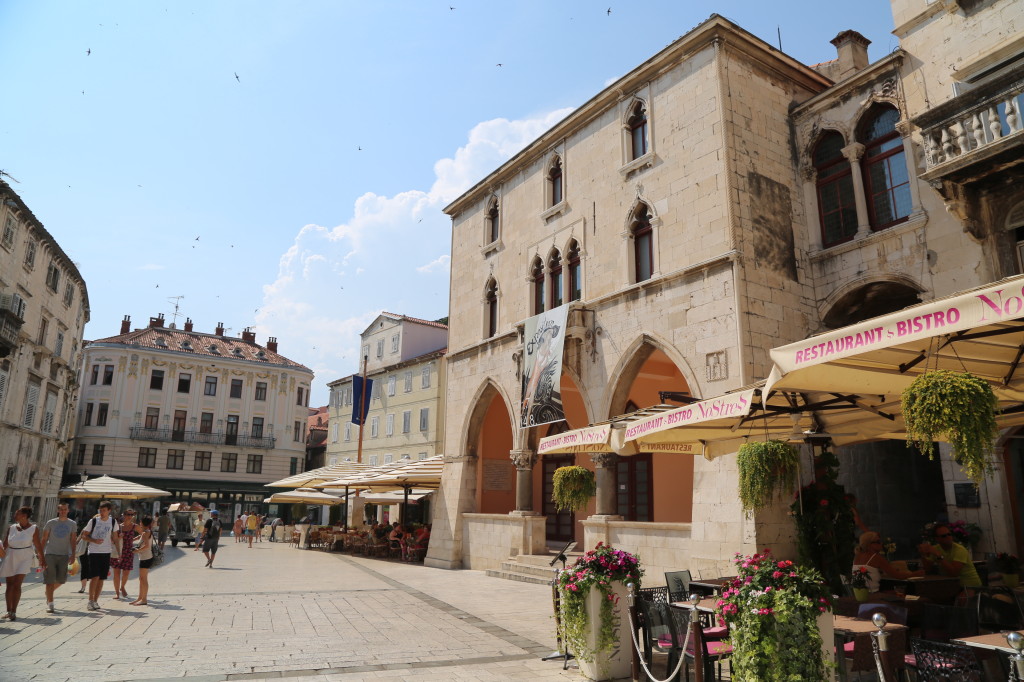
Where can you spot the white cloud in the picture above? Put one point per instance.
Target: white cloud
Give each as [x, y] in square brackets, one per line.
[439, 263]
[317, 309]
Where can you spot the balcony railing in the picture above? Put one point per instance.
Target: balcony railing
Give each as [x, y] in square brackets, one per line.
[175, 436]
[972, 129]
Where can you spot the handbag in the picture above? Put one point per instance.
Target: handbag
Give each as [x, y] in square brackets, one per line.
[74, 567]
[115, 548]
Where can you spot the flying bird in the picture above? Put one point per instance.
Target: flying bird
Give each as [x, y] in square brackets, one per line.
[88, 51]
[499, 64]
[197, 238]
[450, 7]
[609, 11]
[237, 78]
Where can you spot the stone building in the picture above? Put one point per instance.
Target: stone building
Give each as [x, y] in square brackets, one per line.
[204, 416]
[44, 306]
[718, 200]
[405, 360]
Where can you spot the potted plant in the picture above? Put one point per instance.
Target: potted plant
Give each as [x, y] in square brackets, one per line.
[776, 612]
[592, 593]
[767, 468]
[1009, 566]
[859, 583]
[959, 407]
[573, 486]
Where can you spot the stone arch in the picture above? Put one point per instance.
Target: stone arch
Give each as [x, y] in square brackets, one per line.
[875, 102]
[482, 397]
[629, 363]
[573, 421]
[630, 108]
[868, 297]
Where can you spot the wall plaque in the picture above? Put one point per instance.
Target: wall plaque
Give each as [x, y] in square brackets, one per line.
[498, 475]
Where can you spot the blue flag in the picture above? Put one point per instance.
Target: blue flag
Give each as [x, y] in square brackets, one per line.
[357, 398]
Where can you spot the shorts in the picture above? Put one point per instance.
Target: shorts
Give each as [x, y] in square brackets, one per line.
[145, 563]
[96, 566]
[56, 571]
[17, 562]
[161, 537]
[249, 532]
[210, 545]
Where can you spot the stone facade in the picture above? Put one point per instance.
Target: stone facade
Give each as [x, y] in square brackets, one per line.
[723, 199]
[44, 306]
[205, 416]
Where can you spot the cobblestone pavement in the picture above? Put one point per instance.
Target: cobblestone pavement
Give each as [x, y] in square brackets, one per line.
[275, 612]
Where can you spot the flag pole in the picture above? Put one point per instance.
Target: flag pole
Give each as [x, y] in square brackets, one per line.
[362, 414]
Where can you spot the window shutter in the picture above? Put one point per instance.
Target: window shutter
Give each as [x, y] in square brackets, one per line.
[31, 398]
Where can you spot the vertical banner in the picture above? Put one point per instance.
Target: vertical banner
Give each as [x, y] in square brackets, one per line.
[542, 368]
[358, 393]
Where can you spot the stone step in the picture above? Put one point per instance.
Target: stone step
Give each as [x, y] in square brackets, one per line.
[520, 577]
[545, 559]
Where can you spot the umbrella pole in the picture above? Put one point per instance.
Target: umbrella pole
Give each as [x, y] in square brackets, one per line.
[405, 505]
[347, 510]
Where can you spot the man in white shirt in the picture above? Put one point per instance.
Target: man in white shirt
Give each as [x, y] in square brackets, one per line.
[102, 532]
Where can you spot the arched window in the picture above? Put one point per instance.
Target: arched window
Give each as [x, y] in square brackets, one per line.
[493, 231]
[555, 278]
[643, 244]
[837, 206]
[555, 182]
[491, 307]
[537, 285]
[575, 272]
[637, 124]
[886, 180]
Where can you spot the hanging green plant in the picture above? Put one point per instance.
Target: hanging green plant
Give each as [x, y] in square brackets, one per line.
[956, 406]
[767, 468]
[573, 488]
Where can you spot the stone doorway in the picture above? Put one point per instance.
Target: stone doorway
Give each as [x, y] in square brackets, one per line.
[558, 526]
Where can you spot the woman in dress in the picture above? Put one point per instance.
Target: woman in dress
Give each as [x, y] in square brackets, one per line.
[22, 536]
[145, 560]
[123, 564]
[238, 529]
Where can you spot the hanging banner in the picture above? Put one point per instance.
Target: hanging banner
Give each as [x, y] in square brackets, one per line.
[358, 398]
[542, 368]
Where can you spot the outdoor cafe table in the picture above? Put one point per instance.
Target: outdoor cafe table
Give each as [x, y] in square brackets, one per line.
[939, 589]
[858, 630]
[994, 642]
[709, 587]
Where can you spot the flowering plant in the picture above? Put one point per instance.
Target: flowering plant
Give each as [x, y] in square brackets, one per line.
[596, 569]
[772, 608]
[967, 534]
[859, 579]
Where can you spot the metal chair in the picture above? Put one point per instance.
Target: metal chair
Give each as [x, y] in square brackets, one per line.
[998, 609]
[652, 615]
[944, 662]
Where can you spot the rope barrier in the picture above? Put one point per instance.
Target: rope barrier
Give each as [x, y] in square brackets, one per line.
[640, 654]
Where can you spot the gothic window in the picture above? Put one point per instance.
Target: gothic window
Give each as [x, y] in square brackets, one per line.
[642, 233]
[886, 180]
[837, 207]
[555, 278]
[493, 222]
[637, 126]
[575, 272]
[555, 195]
[491, 308]
[537, 285]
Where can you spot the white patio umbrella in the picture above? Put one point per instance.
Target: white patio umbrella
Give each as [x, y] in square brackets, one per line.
[305, 496]
[110, 488]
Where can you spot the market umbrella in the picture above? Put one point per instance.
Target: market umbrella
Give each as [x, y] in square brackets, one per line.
[110, 488]
[319, 475]
[305, 496]
[424, 473]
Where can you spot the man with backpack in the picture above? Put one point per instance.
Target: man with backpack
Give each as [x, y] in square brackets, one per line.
[103, 533]
[211, 534]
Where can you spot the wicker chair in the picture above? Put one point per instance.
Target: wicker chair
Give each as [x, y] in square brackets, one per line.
[944, 662]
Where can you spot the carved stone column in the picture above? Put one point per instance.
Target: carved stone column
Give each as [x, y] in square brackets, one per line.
[524, 461]
[853, 154]
[605, 474]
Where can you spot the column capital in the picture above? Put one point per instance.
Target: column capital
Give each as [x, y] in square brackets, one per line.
[604, 460]
[523, 460]
[853, 152]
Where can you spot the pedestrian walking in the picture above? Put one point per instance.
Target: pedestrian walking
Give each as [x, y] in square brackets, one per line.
[259, 531]
[163, 529]
[145, 560]
[59, 536]
[273, 529]
[252, 525]
[238, 529]
[22, 537]
[211, 535]
[198, 526]
[103, 533]
[123, 564]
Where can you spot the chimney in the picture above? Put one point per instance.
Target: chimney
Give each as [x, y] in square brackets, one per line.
[219, 331]
[248, 335]
[188, 324]
[157, 321]
[126, 324]
[272, 344]
[852, 48]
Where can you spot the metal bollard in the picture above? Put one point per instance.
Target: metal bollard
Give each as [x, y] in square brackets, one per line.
[1016, 642]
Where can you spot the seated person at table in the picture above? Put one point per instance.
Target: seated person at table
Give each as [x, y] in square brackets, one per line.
[869, 555]
[951, 558]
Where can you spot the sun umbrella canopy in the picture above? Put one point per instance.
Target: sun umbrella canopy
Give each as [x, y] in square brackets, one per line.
[395, 496]
[379, 476]
[110, 488]
[305, 496]
[314, 476]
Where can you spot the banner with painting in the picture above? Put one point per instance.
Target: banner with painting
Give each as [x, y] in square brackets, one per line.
[541, 398]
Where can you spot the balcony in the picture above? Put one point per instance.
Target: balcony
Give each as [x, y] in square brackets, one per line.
[12, 316]
[976, 134]
[174, 436]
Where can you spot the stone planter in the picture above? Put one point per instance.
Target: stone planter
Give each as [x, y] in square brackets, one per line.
[826, 626]
[615, 663]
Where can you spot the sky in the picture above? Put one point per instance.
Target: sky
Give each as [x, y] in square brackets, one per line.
[284, 165]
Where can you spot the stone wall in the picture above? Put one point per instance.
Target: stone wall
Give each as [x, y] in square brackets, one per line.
[490, 539]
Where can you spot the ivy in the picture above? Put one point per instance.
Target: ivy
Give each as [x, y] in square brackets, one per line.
[959, 407]
[767, 468]
[573, 487]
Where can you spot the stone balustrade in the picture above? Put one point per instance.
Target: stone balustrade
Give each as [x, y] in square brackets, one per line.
[985, 123]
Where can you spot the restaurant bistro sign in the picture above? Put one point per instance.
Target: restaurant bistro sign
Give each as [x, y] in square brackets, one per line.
[990, 305]
[590, 439]
[680, 430]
